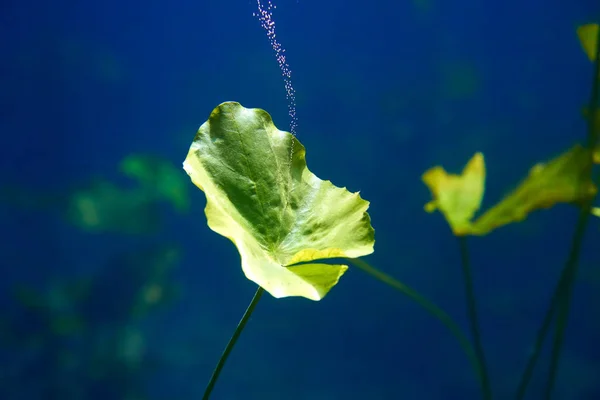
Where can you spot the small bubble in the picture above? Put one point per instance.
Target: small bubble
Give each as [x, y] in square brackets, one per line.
[265, 16]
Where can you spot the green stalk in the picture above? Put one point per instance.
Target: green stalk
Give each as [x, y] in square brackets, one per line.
[429, 306]
[232, 341]
[564, 298]
[584, 215]
[473, 319]
[540, 337]
[561, 297]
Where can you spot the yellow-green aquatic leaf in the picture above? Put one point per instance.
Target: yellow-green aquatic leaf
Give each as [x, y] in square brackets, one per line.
[261, 195]
[588, 37]
[565, 179]
[458, 197]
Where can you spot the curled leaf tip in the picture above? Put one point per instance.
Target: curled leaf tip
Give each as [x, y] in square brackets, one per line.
[588, 38]
[457, 197]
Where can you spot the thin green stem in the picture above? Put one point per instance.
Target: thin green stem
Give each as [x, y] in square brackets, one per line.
[426, 304]
[557, 302]
[473, 318]
[573, 260]
[564, 298]
[561, 297]
[232, 341]
[540, 337]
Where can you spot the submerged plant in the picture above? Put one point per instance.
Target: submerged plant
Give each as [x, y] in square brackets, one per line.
[286, 222]
[281, 217]
[565, 179]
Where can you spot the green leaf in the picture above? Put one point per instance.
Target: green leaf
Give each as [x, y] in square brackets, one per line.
[157, 174]
[261, 195]
[564, 179]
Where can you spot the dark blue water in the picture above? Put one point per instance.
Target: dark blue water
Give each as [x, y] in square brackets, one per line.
[142, 305]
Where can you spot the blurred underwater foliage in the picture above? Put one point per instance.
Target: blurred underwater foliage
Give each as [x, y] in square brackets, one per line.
[101, 205]
[88, 333]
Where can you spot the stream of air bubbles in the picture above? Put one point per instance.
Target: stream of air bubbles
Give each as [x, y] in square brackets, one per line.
[265, 16]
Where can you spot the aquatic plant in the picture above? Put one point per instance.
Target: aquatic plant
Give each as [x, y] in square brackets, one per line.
[285, 221]
[103, 205]
[88, 333]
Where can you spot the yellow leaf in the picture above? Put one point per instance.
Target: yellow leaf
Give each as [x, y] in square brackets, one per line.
[282, 218]
[458, 197]
[588, 37]
[565, 179]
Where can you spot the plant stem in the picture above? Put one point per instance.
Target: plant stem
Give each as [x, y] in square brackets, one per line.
[540, 337]
[473, 319]
[232, 341]
[561, 297]
[560, 300]
[564, 298]
[573, 261]
[429, 306]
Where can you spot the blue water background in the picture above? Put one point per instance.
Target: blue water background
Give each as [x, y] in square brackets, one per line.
[85, 84]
